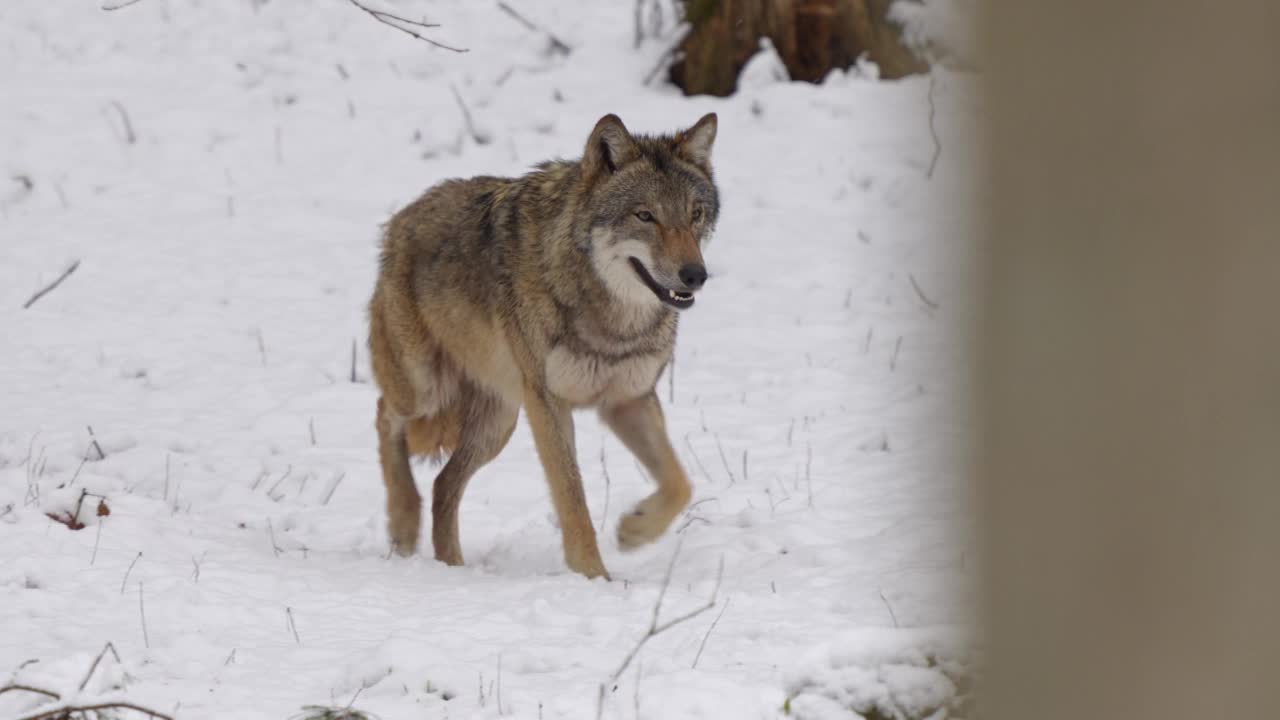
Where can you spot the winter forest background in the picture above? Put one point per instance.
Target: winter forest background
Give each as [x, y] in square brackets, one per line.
[190, 503]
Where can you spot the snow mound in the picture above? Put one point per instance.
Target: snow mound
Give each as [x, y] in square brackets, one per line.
[941, 30]
[884, 674]
[764, 68]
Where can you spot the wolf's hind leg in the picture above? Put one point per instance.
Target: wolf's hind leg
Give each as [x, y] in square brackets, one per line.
[639, 424]
[486, 424]
[404, 505]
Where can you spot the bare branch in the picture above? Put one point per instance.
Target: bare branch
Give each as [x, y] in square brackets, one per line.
[697, 460]
[657, 629]
[401, 23]
[703, 645]
[639, 21]
[271, 534]
[933, 130]
[110, 7]
[604, 468]
[66, 712]
[125, 581]
[93, 439]
[724, 461]
[28, 688]
[353, 359]
[96, 660]
[808, 465]
[142, 614]
[893, 615]
[288, 612]
[337, 480]
[923, 298]
[97, 537]
[130, 137]
[405, 25]
[479, 137]
[556, 47]
[50, 287]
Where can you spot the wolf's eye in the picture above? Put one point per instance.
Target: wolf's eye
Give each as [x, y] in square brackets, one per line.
[697, 213]
[645, 216]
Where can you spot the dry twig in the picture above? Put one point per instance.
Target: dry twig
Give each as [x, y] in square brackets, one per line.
[555, 47]
[93, 440]
[920, 293]
[49, 288]
[288, 611]
[63, 713]
[697, 460]
[142, 614]
[28, 688]
[353, 359]
[892, 615]
[933, 130]
[604, 468]
[130, 137]
[724, 461]
[656, 628]
[125, 581]
[93, 667]
[703, 645]
[479, 137]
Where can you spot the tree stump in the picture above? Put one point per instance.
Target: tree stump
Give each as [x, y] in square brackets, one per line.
[812, 38]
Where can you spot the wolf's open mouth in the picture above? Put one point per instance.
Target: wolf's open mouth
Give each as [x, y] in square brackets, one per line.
[677, 299]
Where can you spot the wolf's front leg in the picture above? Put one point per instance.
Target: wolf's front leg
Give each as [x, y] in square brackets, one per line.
[639, 425]
[551, 420]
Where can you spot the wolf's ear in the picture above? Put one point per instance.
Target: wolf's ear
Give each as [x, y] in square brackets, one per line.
[695, 143]
[609, 147]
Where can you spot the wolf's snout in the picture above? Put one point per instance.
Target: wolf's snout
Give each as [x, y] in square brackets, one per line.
[693, 275]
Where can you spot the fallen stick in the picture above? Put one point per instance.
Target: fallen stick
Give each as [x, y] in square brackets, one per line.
[50, 287]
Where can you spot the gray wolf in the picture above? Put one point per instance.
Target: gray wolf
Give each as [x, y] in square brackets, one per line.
[554, 291]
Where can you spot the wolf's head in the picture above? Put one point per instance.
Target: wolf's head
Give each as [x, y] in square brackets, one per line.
[652, 203]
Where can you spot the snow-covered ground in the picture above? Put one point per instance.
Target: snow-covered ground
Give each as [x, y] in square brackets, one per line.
[220, 169]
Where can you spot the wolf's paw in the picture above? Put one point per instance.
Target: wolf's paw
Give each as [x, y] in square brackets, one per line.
[403, 533]
[448, 553]
[403, 522]
[592, 570]
[403, 547]
[586, 562]
[643, 524]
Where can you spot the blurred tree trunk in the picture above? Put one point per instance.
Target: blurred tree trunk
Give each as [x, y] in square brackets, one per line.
[811, 36]
[1130, 360]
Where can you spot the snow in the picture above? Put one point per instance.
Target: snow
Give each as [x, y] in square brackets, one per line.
[940, 29]
[226, 255]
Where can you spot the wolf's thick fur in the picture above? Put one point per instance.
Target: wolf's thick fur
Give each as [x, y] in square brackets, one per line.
[552, 291]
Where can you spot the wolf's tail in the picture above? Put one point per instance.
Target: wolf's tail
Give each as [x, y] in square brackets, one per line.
[433, 437]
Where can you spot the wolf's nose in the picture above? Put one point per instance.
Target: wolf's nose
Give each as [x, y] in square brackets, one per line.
[693, 276]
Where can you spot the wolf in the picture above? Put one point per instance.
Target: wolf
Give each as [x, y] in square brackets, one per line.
[555, 291]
